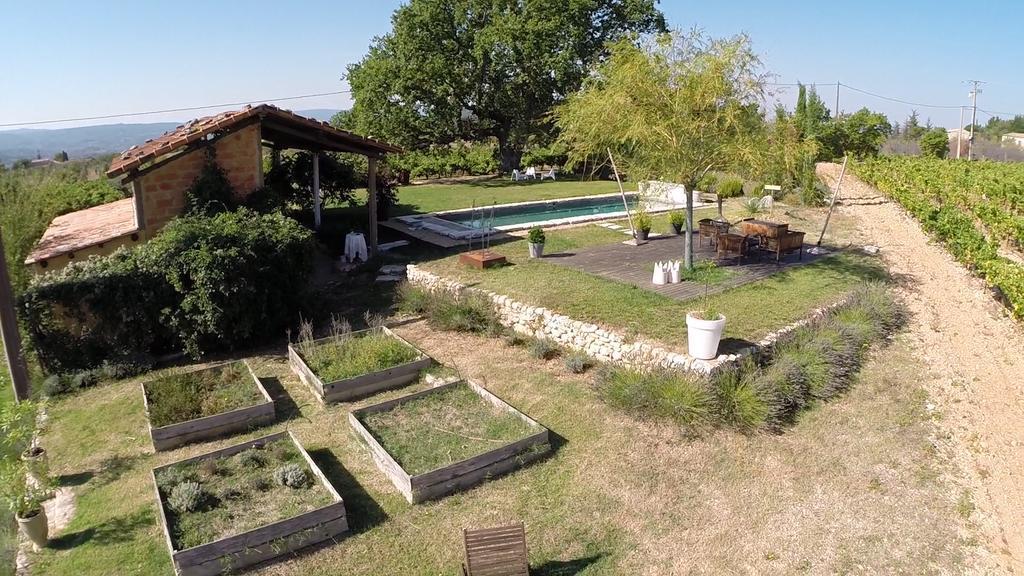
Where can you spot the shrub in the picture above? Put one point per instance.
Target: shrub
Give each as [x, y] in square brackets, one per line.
[211, 192]
[187, 497]
[204, 283]
[730, 187]
[251, 459]
[934, 143]
[739, 402]
[679, 396]
[291, 475]
[542, 349]
[642, 220]
[536, 235]
[468, 312]
[578, 362]
[412, 299]
[169, 478]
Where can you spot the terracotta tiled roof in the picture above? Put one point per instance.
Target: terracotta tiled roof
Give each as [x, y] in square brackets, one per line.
[199, 128]
[85, 228]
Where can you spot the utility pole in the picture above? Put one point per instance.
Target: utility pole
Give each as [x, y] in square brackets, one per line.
[974, 115]
[960, 133]
[838, 84]
[9, 331]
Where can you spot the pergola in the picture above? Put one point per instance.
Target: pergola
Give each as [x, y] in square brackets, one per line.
[279, 130]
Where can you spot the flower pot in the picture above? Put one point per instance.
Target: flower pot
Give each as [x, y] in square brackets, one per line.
[703, 336]
[642, 234]
[536, 249]
[35, 528]
[677, 229]
[36, 463]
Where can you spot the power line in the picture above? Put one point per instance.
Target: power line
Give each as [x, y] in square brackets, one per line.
[169, 110]
[908, 103]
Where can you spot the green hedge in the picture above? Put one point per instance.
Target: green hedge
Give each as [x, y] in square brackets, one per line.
[204, 283]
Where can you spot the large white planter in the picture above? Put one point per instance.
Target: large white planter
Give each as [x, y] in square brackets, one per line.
[35, 528]
[703, 336]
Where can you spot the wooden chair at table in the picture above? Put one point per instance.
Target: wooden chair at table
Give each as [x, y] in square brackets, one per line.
[497, 551]
[732, 244]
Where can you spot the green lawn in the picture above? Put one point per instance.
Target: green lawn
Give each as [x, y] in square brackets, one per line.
[437, 197]
[753, 310]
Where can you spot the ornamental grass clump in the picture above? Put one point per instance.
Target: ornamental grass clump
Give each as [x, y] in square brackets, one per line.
[578, 362]
[679, 396]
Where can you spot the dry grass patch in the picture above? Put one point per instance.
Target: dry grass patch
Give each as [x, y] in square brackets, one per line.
[443, 428]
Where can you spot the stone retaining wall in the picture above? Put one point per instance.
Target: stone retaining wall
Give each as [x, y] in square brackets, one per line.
[600, 343]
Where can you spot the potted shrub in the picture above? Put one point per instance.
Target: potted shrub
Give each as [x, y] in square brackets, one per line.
[677, 219]
[19, 426]
[536, 239]
[729, 188]
[25, 499]
[642, 223]
[704, 325]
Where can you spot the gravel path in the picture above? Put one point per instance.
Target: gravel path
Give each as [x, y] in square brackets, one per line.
[967, 338]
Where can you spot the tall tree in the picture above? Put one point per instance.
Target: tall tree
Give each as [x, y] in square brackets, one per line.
[674, 109]
[478, 69]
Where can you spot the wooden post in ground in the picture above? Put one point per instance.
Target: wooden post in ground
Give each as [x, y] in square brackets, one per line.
[832, 205]
[9, 331]
[316, 190]
[371, 204]
[622, 192]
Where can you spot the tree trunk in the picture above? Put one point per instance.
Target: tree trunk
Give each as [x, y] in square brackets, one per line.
[720, 215]
[688, 239]
[511, 154]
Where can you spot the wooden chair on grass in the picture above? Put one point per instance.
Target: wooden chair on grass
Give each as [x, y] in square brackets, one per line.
[496, 551]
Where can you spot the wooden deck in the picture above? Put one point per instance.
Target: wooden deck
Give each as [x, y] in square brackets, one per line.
[635, 265]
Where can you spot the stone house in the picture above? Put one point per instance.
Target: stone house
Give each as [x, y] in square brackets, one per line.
[159, 172]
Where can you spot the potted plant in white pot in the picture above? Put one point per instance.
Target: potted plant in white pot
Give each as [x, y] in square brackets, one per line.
[704, 326]
[535, 237]
[677, 219]
[25, 499]
[642, 223]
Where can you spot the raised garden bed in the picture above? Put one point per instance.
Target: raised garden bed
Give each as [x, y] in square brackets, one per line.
[357, 364]
[205, 404]
[248, 511]
[438, 441]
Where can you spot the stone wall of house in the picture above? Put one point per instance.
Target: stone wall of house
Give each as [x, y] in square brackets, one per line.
[600, 343]
[239, 154]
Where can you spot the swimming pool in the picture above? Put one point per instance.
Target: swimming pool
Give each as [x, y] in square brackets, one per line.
[526, 214]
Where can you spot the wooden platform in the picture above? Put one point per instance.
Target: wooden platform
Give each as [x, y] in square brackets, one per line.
[635, 265]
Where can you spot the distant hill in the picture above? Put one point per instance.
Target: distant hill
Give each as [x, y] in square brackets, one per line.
[88, 141]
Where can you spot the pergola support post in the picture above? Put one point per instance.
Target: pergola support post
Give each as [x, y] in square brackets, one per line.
[316, 190]
[371, 203]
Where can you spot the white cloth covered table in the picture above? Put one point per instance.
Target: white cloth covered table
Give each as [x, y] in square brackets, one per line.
[355, 246]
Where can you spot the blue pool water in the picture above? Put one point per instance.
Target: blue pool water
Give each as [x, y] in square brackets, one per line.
[542, 211]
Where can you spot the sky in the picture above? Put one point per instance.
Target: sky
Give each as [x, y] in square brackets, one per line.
[78, 59]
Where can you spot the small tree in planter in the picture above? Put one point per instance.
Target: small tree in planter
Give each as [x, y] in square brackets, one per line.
[728, 188]
[677, 219]
[19, 427]
[704, 325]
[536, 239]
[642, 223]
[24, 496]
